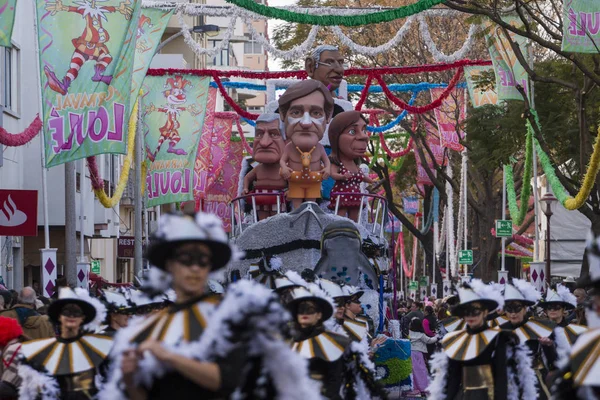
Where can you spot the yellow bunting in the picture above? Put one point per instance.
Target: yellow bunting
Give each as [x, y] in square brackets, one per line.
[110, 202]
[588, 181]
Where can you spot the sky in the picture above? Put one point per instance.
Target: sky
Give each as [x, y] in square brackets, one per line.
[275, 65]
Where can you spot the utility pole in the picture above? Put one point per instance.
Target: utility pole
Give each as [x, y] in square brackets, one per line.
[70, 225]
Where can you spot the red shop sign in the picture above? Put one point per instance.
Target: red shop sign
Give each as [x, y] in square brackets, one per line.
[18, 212]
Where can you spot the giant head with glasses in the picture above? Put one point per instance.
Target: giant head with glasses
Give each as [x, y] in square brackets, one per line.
[326, 64]
[188, 247]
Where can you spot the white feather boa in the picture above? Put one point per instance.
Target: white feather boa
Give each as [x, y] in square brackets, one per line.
[361, 350]
[527, 290]
[249, 305]
[439, 371]
[525, 375]
[563, 349]
[36, 385]
[93, 325]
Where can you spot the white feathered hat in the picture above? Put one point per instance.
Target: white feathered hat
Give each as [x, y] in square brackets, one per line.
[93, 310]
[301, 294]
[561, 296]
[290, 280]
[176, 228]
[475, 292]
[332, 289]
[521, 290]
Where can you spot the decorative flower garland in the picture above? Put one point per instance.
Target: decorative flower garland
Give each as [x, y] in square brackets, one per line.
[19, 139]
[98, 182]
[518, 213]
[329, 20]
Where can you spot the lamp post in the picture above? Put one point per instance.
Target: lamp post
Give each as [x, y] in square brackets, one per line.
[208, 30]
[549, 199]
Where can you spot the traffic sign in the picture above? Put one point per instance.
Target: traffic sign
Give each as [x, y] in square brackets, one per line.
[413, 285]
[503, 228]
[424, 281]
[465, 257]
[95, 266]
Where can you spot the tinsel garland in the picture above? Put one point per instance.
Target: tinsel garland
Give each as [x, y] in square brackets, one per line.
[442, 236]
[197, 48]
[557, 188]
[450, 221]
[363, 95]
[329, 20]
[461, 210]
[19, 139]
[432, 47]
[373, 51]
[518, 213]
[407, 272]
[521, 249]
[98, 182]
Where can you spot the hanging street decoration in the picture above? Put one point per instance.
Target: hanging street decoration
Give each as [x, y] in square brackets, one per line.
[173, 113]
[581, 26]
[508, 69]
[87, 83]
[450, 116]
[480, 96]
[7, 21]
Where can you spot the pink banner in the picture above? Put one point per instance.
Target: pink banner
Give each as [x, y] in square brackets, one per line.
[224, 188]
[450, 116]
[201, 167]
[422, 177]
[433, 141]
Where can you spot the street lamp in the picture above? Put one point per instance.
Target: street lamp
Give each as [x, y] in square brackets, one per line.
[549, 199]
[208, 30]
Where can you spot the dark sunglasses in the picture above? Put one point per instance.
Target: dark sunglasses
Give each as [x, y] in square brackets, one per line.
[307, 309]
[554, 307]
[353, 301]
[191, 259]
[473, 312]
[72, 314]
[513, 308]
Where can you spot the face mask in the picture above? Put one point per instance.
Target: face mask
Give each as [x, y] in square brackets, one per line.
[306, 119]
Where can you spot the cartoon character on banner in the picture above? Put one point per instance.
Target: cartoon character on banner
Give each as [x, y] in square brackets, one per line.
[305, 110]
[348, 138]
[141, 44]
[175, 95]
[91, 45]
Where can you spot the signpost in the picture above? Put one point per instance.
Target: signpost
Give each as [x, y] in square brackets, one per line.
[503, 228]
[465, 257]
[95, 266]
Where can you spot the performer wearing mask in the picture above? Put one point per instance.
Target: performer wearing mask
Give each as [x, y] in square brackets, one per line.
[355, 327]
[536, 333]
[479, 362]
[556, 304]
[119, 311]
[199, 347]
[66, 367]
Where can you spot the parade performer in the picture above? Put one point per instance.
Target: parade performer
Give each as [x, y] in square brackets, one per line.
[175, 96]
[348, 139]
[268, 145]
[336, 324]
[66, 367]
[479, 362]
[203, 346]
[91, 45]
[305, 109]
[119, 311]
[556, 303]
[285, 285]
[580, 377]
[537, 334]
[342, 368]
[355, 326]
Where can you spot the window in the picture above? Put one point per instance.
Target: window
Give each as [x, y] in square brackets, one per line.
[220, 59]
[253, 47]
[9, 78]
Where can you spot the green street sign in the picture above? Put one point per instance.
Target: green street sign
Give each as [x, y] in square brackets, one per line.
[424, 281]
[465, 257]
[95, 266]
[413, 285]
[503, 228]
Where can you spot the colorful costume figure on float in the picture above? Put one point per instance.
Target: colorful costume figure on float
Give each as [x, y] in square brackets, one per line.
[66, 367]
[269, 144]
[536, 333]
[176, 98]
[91, 45]
[342, 368]
[479, 362]
[203, 345]
[579, 378]
[348, 139]
[305, 110]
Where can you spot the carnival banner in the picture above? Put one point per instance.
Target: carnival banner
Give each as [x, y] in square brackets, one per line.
[450, 116]
[225, 187]
[432, 137]
[203, 157]
[173, 119]
[7, 21]
[150, 28]
[581, 27]
[87, 51]
[479, 96]
[219, 143]
[410, 204]
[508, 69]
